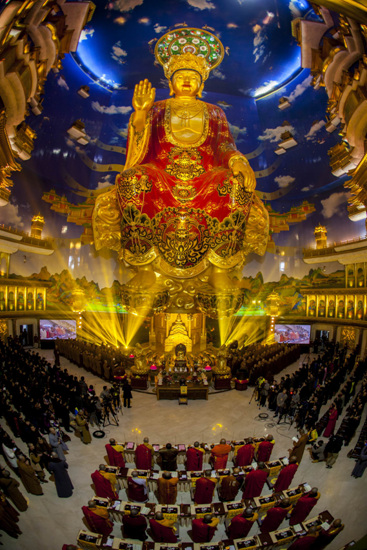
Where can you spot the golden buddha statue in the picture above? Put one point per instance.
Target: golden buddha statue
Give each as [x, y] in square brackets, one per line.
[186, 198]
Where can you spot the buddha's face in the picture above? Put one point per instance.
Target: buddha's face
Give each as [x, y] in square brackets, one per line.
[186, 83]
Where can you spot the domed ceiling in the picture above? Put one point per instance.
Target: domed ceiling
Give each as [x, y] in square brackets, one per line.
[262, 64]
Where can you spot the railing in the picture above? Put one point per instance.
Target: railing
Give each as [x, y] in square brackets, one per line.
[330, 250]
[27, 238]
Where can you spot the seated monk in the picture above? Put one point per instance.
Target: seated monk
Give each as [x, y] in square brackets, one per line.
[167, 488]
[286, 475]
[115, 454]
[204, 489]
[276, 515]
[162, 529]
[229, 486]
[134, 526]
[102, 484]
[245, 454]
[203, 529]
[97, 518]
[255, 481]
[219, 455]
[304, 506]
[137, 489]
[327, 535]
[307, 542]
[194, 458]
[144, 455]
[241, 524]
[264, 449]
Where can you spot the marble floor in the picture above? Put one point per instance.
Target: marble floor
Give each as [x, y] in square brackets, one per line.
[51, 522]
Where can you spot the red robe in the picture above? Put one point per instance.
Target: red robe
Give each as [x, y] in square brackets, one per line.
[96, 523]
[204, 491]
[245, 455]
[219, 456]
[115, 458]
[285, 477]
[166, 173]
[302, 509]
[194, 460]
[333, 417]
[303, 543]
[273, 519]
[239, 527]
[202, 532]
[254, 483]
[229, 488]
[134, 527]
[135, 491]
[103, 486]
[161, 533]
[264, 451]
[143, 457]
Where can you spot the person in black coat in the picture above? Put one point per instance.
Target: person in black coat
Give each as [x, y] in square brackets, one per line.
[64, 486]
[127, 394]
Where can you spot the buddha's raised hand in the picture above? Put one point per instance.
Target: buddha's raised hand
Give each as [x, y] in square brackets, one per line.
[144, 96]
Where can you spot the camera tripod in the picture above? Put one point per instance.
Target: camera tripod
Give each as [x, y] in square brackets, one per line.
[109, 416]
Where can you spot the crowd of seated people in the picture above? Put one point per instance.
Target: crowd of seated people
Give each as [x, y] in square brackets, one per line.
[118, 488]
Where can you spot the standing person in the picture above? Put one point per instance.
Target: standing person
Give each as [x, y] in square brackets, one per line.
[264, 392]
[204, 488]
[299, 446]
[333, 417]
[10, 487]
[332, 449]
[137, 489]
[134, 525]
[286, 475]
[219, 455]
[36, 458]
[56, 444]
[203, 529]
[276, 515]
[241, 524]
[144, 455]
[304, 506]
[127, 393]
[194, 457]
[9, 518]
[167, 488]
[255, 481]
[115, 453]
[163, 530]
[28, 476]
[58, 467]
[245, 454]
[229, 486]
[97, 518]
[264, 449]
[281, 402]
[361, 464]
[167, 458]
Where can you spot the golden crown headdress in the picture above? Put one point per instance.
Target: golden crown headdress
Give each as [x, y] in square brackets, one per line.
[189, 48]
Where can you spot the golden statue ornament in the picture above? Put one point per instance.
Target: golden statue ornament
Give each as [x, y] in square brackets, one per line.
[186, 199]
